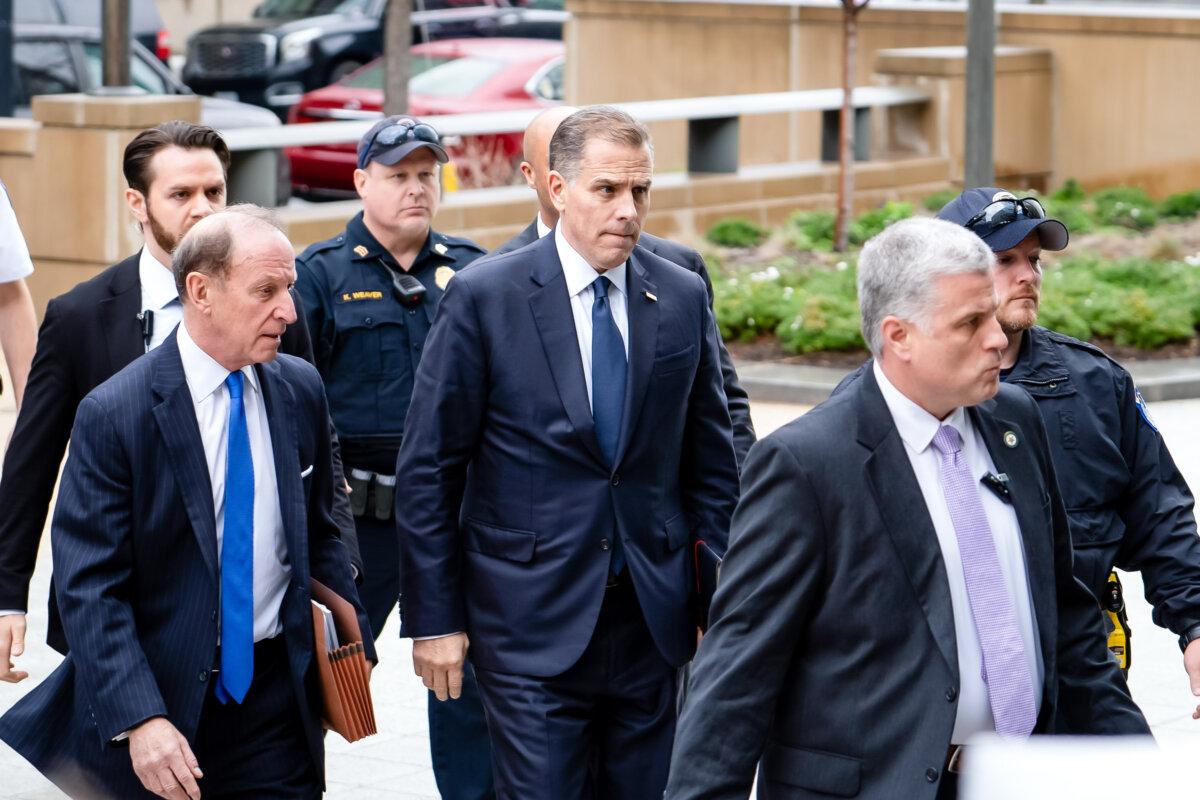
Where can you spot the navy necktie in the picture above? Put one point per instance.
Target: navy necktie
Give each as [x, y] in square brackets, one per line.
[237, 556]
[608, 387]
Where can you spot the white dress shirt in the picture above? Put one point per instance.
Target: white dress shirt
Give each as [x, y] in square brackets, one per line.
[917, 428]
[542, 228]
[159, 296]
[14, 254]
[580, 275]
[206, 382]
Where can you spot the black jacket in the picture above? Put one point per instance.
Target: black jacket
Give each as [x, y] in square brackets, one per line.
[88, 335]
[735, 395]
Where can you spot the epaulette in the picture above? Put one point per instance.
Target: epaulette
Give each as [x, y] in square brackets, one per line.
[458, 241]
[320, 247]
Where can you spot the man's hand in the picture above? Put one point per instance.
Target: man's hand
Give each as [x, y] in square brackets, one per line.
[439, 663]
[1191, 663]
[163, 761]
[12, 644]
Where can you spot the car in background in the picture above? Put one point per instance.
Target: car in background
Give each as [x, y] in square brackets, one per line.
[294, 46]
[63, 59]
[449, 77]
[539, 19]
[145, 23]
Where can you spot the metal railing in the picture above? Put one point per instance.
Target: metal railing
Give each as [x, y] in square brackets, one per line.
[712, 128]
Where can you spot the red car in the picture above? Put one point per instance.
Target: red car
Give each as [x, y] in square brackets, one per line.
[453, 76]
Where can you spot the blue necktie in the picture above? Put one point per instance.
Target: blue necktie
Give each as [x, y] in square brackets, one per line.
[608, 387]
[237, 556]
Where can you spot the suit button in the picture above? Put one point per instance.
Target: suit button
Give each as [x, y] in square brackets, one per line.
[214, 616]
[931, 775]
[368, 321]
[203, 675]
[616, 480]
[951, 694]
[604, 544]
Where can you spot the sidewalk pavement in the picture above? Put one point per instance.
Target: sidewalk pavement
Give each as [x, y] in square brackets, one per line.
[770, 381]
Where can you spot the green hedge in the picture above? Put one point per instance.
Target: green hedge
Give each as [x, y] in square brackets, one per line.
[1133, 302]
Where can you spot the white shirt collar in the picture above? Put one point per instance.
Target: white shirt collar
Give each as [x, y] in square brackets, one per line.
[915, 425]
[542, 228]
[202, 372]
[158, 281]
[579, 273]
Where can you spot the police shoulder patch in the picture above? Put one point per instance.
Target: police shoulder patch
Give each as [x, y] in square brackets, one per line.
[1143, 412]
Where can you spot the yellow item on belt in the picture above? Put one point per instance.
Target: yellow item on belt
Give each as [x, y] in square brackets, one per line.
[1119, 637]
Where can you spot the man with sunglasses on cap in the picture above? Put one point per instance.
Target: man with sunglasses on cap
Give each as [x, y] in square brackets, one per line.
[1128, 504]
[370, 294]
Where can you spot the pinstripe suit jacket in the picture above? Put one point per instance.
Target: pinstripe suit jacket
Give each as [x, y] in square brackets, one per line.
[135, 561]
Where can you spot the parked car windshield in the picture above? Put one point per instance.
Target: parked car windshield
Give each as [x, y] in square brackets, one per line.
[286, 9]
[141, 74]
[457, 78]
[371, 77]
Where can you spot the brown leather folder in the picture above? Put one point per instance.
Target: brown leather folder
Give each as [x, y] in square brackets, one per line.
[344, 677]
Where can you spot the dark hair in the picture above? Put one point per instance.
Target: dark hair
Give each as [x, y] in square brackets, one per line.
[208, 247]
[594, 122]
[175, 133]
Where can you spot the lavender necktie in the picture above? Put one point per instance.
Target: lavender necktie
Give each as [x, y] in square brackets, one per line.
[1006, 670]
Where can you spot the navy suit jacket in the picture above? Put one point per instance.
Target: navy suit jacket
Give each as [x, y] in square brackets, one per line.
[508, 507]
[135, 563]
[831, 662]
[735, 396]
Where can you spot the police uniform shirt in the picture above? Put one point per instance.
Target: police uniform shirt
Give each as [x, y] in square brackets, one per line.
[14, 255]
[367, 343]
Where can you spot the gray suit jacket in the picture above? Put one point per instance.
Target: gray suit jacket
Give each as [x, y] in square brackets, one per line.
[735, 395]
[832, 653]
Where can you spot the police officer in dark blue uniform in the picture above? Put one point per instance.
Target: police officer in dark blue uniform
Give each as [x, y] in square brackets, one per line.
[370, 295]
[1128, 504]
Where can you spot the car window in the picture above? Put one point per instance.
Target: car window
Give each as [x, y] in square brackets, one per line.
[372, 76]
[141, 74]
[457, 78]
[42, 67]
[548, 5]
[307, 8]
[36, 11]
[549, 85]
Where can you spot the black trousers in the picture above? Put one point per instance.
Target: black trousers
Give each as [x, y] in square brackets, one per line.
[257, 750]
[603, 729]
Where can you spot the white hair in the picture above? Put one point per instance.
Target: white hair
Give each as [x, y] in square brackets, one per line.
[898, 270]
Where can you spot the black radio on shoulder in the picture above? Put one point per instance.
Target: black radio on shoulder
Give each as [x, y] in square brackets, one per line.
[407, 289]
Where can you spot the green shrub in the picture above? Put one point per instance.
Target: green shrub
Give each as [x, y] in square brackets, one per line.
[936, 201]
[812, 230]
[874, 221]
[749, 305]
[1124, 207]
[737, 232]
[822, 322]
[1071, 214]
[1182, 206]
[1069, 192]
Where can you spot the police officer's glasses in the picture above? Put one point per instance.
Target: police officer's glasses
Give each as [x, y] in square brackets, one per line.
[399, 133]
[995, 216]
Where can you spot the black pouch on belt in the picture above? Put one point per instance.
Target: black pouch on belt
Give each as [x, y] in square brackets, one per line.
[360, 486]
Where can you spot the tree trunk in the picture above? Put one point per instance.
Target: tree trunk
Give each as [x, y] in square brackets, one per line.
[845, 203]
[397, 41]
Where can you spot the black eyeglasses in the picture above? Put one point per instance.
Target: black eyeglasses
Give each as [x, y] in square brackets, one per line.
[398, 133]
[995, 216]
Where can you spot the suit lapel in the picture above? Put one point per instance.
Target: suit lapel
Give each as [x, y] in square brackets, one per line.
[1020, 464]
[175, 415]
[902, 507]
[281, 421]
[556, 326]
[643, 339]
[118, 314]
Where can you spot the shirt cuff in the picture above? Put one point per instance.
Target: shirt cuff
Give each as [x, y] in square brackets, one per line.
[439, 636]
[9, 612]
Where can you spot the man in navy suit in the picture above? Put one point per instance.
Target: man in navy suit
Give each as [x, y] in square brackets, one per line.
[567, 443]
[194, 509]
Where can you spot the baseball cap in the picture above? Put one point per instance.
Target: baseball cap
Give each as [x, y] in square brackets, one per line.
[391, 139]
[1003, 220]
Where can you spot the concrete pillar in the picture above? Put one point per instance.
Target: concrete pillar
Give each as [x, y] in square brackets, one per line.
[82, 224]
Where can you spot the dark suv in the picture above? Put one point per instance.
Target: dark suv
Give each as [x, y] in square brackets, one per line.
[290, 47]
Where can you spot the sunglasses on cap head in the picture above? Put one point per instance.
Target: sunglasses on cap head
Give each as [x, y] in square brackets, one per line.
[399, 133]
[996, 215]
